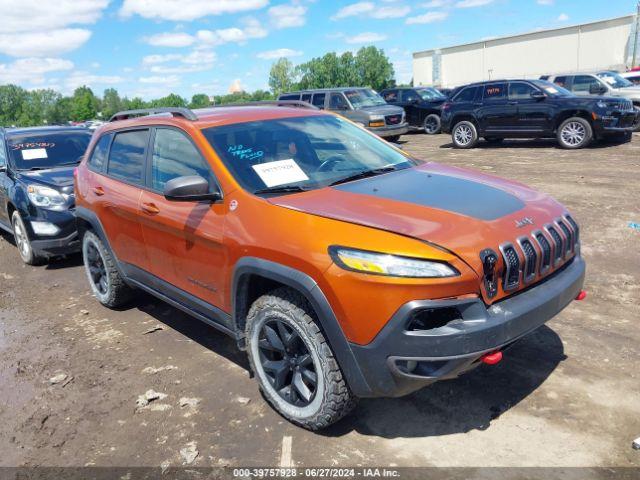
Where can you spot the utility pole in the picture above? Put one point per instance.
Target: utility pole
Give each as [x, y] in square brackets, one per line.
[635, 40]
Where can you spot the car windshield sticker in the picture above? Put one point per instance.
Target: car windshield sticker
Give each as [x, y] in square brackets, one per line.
[551, 89]
[280, 172]
[34, 153]
[245, 153]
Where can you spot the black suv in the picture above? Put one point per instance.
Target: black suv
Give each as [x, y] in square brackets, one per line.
[533, 109]
[421, 105]
[36, 188]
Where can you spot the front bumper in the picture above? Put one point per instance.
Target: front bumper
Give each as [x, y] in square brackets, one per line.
[65, 242]
[399, 361]
[390, 130]
[617, 122]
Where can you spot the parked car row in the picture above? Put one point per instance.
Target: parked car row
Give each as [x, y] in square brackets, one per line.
[339, 263]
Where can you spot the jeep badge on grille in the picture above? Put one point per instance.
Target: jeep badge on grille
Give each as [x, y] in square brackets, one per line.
[523, 222]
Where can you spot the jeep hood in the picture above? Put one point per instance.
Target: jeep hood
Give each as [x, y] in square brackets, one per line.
[459, 210]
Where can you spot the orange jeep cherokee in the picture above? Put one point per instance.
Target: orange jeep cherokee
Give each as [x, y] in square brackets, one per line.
[343, 266]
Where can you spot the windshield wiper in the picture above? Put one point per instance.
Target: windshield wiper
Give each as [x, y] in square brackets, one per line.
[282, 189]
[364, 174]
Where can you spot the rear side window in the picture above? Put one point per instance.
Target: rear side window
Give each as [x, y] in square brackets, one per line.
[466, 95]
[495, 91]
[175, 156]
[318, 100]
[290, 97]
[126, 158]
[99, 154]
[390, 96]
[561, 81]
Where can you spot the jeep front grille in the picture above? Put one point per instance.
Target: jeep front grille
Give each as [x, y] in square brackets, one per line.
[576, 229]
[545, 249]
[530, 259]
[511, 259]
[558, 246]
[568, 234]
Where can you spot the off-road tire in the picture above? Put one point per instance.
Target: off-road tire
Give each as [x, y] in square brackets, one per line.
[117, 292]
[21, 237]
[333, 398]
[467, 130]
[432, 124]
[575, 133]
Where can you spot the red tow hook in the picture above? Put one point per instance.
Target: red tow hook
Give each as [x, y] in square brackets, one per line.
[491, 358]
[582, 295]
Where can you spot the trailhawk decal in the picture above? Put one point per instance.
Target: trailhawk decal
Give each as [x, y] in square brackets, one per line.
[444, 192]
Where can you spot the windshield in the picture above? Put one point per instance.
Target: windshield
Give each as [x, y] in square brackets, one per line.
[364, 97]
[615, 80]
[552, 89]
[430, 94]
[303, 152]
[35, 151]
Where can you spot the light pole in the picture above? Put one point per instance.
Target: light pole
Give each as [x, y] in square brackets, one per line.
[635, 40]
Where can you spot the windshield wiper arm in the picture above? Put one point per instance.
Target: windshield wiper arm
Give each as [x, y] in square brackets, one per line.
[282, 189]
[364, 174]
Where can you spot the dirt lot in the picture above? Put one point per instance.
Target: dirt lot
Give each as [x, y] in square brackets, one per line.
[567, 395]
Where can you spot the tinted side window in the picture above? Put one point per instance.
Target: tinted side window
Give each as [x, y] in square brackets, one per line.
[409, 96]
[561, 81]
[175, 156]
[520, 91]
[318, 100]
[99, 154]
[466, 95]
[126, 158]
[582, 83]
[337, 102]
[390, 96]
[495, 91]
[290, 97]
[306, 97]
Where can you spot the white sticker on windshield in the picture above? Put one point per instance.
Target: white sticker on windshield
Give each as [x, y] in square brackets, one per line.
[551, 90]
[34, 153]
[280, 172]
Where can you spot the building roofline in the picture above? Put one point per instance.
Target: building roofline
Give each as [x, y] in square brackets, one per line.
[532, 32]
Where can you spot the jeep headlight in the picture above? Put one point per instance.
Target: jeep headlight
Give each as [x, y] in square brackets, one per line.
[45, 197]
[602, 104]
[390, 265]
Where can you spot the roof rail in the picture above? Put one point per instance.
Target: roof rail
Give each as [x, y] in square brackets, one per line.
[175, 111]
[275, 103]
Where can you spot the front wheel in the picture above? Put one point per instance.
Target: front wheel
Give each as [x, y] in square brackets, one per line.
[575, 133]
[637, 129]
[393, 139]
[293, 363]
[23, 243]
[432, 124]
[464, 135]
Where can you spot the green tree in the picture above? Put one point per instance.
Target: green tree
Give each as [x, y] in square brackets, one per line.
[111, 103]
[374, 68]
[281, 76]
[171, 100]
[136, 103]
[84, 104]
[12, 100]
[200, 100]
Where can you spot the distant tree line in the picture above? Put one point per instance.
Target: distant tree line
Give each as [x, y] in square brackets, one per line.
[369, 67]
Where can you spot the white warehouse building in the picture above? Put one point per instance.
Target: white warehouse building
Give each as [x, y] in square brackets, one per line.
[602, 45]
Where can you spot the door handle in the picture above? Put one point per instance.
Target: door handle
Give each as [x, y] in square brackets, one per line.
[99, 191]
[150, 209]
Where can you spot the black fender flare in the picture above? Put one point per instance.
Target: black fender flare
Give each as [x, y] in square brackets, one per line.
[308, 287]
[92, 219]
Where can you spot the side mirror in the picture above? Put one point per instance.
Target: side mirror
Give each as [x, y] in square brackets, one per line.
[596, 89]
[538, 95]
[190, 189]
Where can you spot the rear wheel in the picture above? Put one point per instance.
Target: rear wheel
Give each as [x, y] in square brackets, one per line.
[295, 367]
[464, 134]
[432, 124]
[575, 133]
[23, 243]
[106, 282]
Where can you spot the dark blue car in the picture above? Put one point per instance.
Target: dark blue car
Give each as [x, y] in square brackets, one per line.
[36, 188]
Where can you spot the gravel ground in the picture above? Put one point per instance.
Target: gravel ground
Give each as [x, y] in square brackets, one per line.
[72, 372]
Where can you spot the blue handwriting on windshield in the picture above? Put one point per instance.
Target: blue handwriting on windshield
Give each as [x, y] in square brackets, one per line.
[245, 153]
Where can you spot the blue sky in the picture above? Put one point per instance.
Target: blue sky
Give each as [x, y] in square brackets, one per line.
[150, 48]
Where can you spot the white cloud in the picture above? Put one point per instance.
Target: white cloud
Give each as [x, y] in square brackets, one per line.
[252, 29]
[391, 12]
[473, 3]
[38, 15]
[80, 78]
[170, 39]
[199, 60]
[435, 4]
[170, 80]
[367, 37]
[182, 10]
[32, 69]
[429, 17]
[354, 9]
[563, 17]
[279, 53]
[546, 2]
[44, 43]
[156, 58]
[287, 16]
